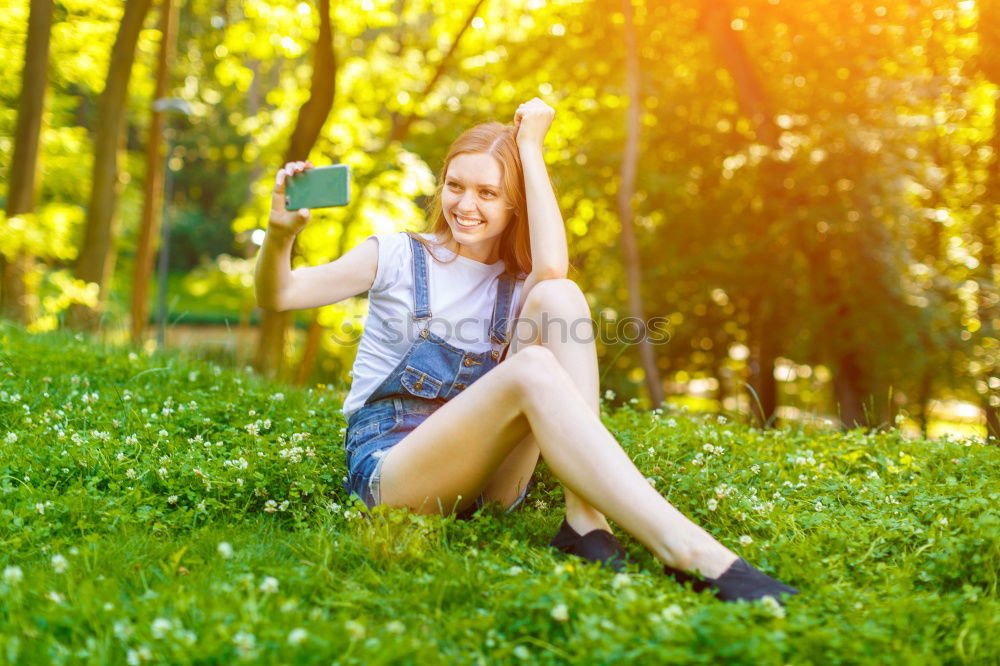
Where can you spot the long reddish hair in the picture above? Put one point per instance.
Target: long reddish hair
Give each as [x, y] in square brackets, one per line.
[495, 139]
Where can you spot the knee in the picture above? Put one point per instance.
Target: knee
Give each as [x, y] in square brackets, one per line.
[532, 369]
[558, 295]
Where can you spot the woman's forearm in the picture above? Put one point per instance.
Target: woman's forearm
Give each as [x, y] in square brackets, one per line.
[273, 272]
[549, 254]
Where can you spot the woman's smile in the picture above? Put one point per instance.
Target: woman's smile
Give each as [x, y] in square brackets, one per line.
[467, 222]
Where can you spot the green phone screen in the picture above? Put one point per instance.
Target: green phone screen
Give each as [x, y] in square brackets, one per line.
[319, 187]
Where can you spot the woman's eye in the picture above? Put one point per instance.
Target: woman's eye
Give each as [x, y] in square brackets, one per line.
[487, 193]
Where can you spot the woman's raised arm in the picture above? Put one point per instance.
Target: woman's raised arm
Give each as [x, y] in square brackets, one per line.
[278, 288]
[549, 254]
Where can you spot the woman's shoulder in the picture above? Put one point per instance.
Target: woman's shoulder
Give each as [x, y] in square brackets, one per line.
[393, 254]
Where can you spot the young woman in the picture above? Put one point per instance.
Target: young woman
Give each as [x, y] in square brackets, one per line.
[466, 372]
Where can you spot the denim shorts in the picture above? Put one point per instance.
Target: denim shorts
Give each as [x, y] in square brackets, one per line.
[377, 427]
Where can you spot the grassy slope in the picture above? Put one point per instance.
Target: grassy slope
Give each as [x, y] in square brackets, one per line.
[894, 543]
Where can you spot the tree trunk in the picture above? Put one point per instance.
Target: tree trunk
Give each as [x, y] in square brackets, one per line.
[97, 253]
[846, 382]
[312, 116]
[272, 328]
[152, 204]
[313, 337]
[714, 19]
[765, 386]
[633, 268]
[986, 228]
[924, 400]
[15, 301]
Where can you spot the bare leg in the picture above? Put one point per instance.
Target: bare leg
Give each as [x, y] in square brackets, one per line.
[557, 316]
[458, 448]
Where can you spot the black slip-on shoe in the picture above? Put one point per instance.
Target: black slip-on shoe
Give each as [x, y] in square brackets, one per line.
[744, 582]
[682, 577]
[740, 582]
[596, 546]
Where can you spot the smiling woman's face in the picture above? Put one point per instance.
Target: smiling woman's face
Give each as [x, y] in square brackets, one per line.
[474, 204]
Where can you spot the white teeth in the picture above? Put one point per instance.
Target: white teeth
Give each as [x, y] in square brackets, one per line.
[467, 222]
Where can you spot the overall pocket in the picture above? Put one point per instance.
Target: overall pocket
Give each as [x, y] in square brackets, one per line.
[365, 432]
[419, 383]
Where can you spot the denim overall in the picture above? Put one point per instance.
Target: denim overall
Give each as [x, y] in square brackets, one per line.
[431, 372]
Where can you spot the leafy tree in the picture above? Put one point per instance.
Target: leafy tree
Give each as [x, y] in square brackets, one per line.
[15, 300]
[97, 251]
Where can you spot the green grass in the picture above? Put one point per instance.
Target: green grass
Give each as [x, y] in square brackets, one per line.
[110, 534]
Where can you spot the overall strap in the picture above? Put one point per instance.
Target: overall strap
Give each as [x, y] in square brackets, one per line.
[499, 332]
[421, 284]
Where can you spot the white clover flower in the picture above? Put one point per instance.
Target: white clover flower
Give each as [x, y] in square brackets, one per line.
[355, 629]
[297, 636]
[609, 395]
[11, 437]
[621, 580]
[123, 629]
[773, 605]
[745, 540]
[225, 550]
[560, 613]
[59, 563]
[172, 499]
[162, 433]
[13, 575]
[278, 397]
[244, 641]
[943, 522]
[132, 440]
[395, 627]
[40, 508]
[818, 505]
[755, 469]
[713, 504]
[671, 613]
[55, 596]
[270, 506]
[130, 473]
[269, 585]
[162, 472]
[161, 626]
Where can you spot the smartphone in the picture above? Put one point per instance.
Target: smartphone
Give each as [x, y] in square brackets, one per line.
[319, 187]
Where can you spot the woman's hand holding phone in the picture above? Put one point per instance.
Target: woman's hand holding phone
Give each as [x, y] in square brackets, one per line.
[284, 221]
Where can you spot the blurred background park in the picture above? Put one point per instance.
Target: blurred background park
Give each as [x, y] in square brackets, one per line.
[807, 190]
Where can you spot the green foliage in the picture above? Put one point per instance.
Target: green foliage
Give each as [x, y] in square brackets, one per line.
[871, 219]
[167, 510]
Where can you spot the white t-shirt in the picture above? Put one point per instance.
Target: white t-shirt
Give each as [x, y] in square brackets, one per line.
[461, 294]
